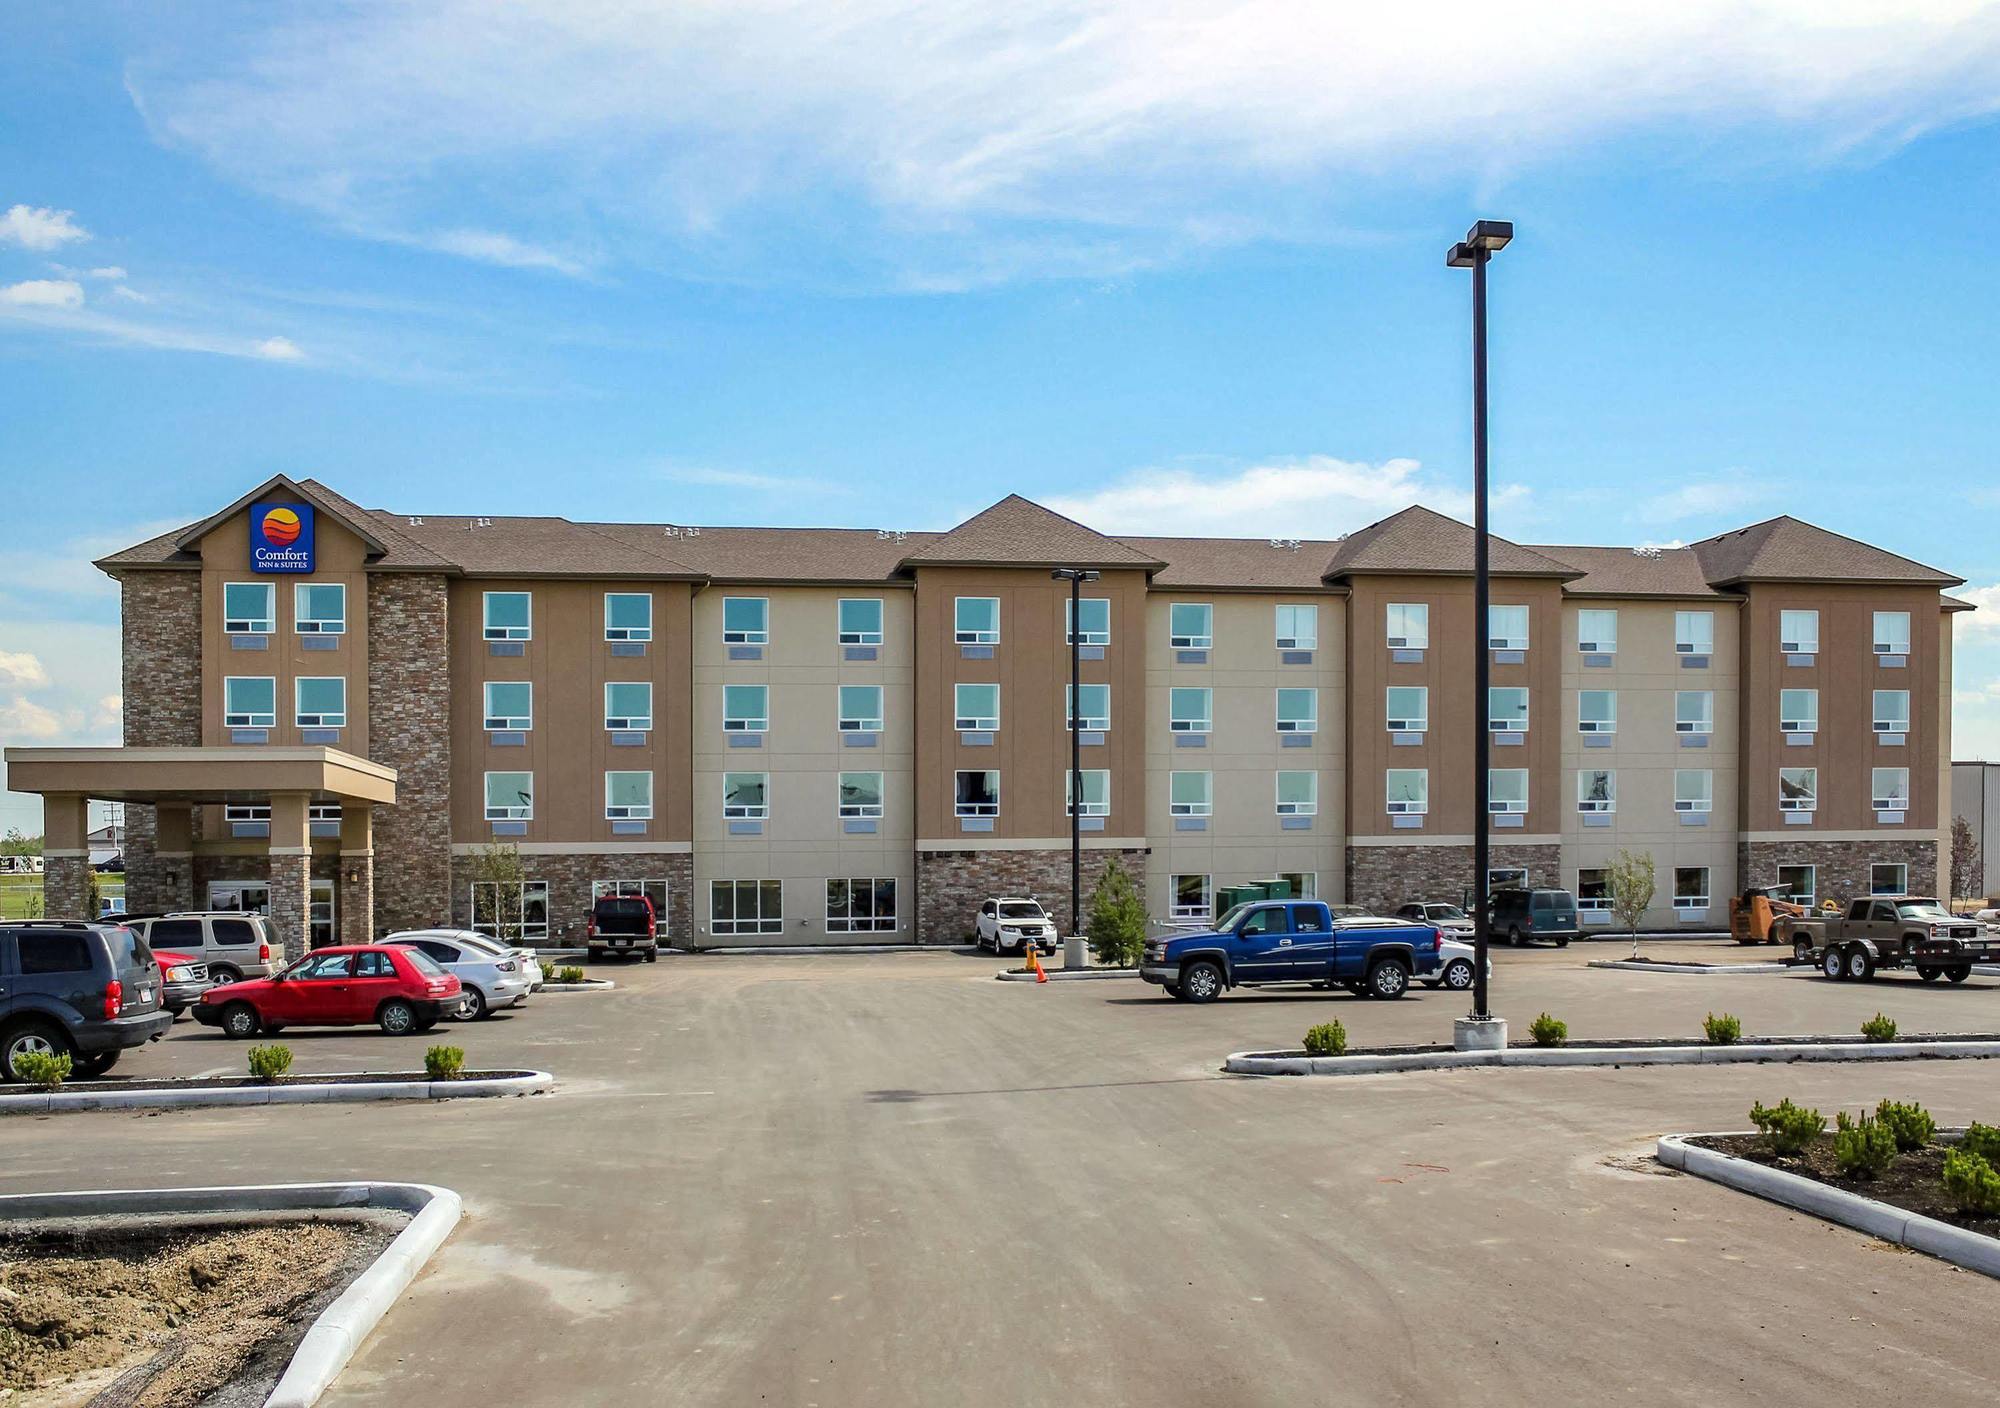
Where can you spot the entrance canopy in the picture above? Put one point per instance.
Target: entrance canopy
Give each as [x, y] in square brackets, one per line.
[200, 775]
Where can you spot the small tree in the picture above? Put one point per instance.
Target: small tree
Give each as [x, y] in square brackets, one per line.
[1964, 860]
[1629, 877]
[1116, 924]
[499, 868]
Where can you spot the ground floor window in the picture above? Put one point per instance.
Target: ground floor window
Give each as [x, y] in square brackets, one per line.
[1593, 891]
[1304, 883]
[1691, 887]
[738, 907]
[654, 890]
[254, 897]
[1191, 897]
[1887, 878]
[1799, 883]
[861, 906]
[512, 911]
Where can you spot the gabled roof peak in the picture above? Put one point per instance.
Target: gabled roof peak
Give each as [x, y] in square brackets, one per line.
[1420, 540]
[1018, 532]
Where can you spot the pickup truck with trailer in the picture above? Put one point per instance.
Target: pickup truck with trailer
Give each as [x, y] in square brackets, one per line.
[1890, 931]
[1292, 941]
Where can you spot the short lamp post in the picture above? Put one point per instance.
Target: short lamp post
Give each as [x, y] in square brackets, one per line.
[1073, 956]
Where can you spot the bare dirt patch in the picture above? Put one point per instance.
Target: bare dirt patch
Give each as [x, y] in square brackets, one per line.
[1914, 1183]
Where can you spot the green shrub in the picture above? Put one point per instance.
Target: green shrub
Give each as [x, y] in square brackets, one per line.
[1983, 1140]
[1724, 1030]
[40, 1069]
[1326, 1039]
[1115, 919]
[1864, 1148]
[270, 1062]
[1911, 1124]
[1971, 1183]
[1548, 1031]
[444, 1062]
[1879, 1028]
[1790, 1127]
[564, 975]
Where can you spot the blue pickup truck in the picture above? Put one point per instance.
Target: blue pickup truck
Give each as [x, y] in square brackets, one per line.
[1292, 941]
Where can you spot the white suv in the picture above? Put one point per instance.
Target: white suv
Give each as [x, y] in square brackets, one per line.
[233, 944]
[1006, 926]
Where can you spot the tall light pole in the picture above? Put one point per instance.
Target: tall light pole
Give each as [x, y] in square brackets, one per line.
[1073, 941]
[1480, 1029]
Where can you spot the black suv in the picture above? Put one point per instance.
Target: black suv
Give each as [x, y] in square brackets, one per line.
[86, 991]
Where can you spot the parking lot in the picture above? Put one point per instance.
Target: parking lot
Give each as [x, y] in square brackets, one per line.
[890, 1180]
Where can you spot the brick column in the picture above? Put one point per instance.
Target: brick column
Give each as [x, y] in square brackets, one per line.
[356, 887]
[173, 861]
[290, 914]
[66, 857]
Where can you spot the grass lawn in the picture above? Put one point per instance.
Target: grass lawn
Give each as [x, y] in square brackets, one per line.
[18, 892]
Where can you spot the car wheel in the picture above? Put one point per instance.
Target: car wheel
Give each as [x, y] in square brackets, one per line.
[1959, 972]
[1458, 974]
[1562, 941]
[1830, 964]
[1801, 950]
[240, 1021]
[471, 1005]
[32, 1038]
[222, 973]
[1930, 975]
[94, 1065]
[1201, 982]
[396, 1017]
[652, 955]
[1860, 963]
[1388, 979]
[1514, 937]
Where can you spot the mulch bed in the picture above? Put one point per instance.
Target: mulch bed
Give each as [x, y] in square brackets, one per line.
[1914, 1183]
[99, 1087]
[1626, 1042]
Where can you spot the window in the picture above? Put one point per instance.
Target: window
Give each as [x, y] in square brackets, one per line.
[976, 620]
[976, 792]
[321, 700]
[1694, 790]
[860, 794]
[1298, 627]
[1298, 711]
[1798, 632]
[1694, 633]
[1596, 790]
[509, 616]
[1510, 877]
[1298, 793]
[1888, 878]
[858, 620]
[1597, 711]
[1409, 708]
[248, 608]
[1798, 710]
[1798, 789]
[861, 906]
[1691, 887]
[1191, 900]
[1409, 791]
[1507, 709]
[746, 708]
[1891, 789]
[1507, 790]
[1095, 707]
[1188, 710]
[1507, 627]
[628, 796]
[1305, 886]
[653, 891]
[250, 701]
[741, 907]
[1892, 633]
[1096, 792]
[1892, 711]
[628, 706]
[510, 796]
[1095, 612]
[628, 615]
[861, 708]
[53, 952]
[1409, 625]
[1593, 891]
[1191, 625]
[517, 911]
[1799, 883]
[319, 608]
[746, 620]
[509, 706]
[1597, 632]
[976, 707]
[1694, 711]
[746, 796]
[1189, 793]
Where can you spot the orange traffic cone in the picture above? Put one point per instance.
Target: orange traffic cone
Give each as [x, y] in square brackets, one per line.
[1035, 961]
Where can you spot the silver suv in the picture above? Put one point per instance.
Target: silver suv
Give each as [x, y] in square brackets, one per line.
[232, 943]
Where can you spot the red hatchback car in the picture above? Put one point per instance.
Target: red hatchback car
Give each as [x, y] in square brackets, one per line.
[402, 990]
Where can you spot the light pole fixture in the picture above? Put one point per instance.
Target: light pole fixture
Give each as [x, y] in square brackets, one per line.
[1073, 941]
[1480, 1029]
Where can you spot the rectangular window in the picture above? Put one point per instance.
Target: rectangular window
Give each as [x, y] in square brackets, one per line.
[516, 912]
[1096, 792]
[1191, 625]
[652, 891]
[628, 615]
[1190, 793]
[1188, 710]
[746, 708]
[858, 620]
[1799, 883]
[1597, 632]
[1798, 710]
[976, 792]
[1888, 878]
[1593, 891]
[250, 701]
[319, 608]
[1298, 627]
[1596, 790]
[1507, 790]
[1694, 633]
[975, 707]
[860, 794]
[1798, 789]
[976, 620]
[1304, 883]
[861, 708]
[628, 796]
[1094, 705]
[1694, 711]
[1892, 789]
[1298, 793]
[1409, 791]
[1597, 711]
[510, 796]
[746, 796]
[1298, 711]
[1892, 633]
[864, 905]
[249, 608]
[1892, 711]
[628, 706]
[1691, 887]
[1191, 900]
[321, 700]
[746, 620]
[509, 706]
[737, 908]
[1096, 614]
[1409, 708]
[508, 616]
[1798, 632]
[1409, 625]
[1507, 709]
[1694, 790]
[1507, 627]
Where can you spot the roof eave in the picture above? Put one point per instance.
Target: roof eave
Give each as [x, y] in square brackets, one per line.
[188, 537]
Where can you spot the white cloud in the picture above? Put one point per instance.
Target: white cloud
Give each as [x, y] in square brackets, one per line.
[20, 667]
[25, 719]
[1983, 622]
[1705, 498]
[746, 479]
[38, 227]
[278, 349]
[43, 293]
[492, 247]
[108, 271]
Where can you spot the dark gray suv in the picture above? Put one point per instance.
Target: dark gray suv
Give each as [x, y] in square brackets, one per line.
[86, 991]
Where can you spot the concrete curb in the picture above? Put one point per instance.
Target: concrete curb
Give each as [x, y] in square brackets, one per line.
[1970, 1250]
[340, 1329]
[587, 985]
[1250, 1063]
[58, 1102]
[1070, 975]
[1774, 966]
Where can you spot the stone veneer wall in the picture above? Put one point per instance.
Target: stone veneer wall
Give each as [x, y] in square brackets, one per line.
[569, 878]
[409, 726]
[160, 618]
[951, 885]
[1383, 877]
[1843, 865]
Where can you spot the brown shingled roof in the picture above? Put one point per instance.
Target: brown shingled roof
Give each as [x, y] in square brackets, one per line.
[537, 547]
[1242, 564]
[1783, 549]
[778, 554]
[1018, 532]
[1667, 572]
[1420, 540]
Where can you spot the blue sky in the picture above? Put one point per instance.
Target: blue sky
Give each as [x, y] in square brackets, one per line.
[1169, 267]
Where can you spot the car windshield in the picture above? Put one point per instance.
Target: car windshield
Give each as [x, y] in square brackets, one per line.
[423, 963]
[1444, 911]
[1231, 917]
[480, 944]
[1921, 909]
[128, 950]
[1030, 910]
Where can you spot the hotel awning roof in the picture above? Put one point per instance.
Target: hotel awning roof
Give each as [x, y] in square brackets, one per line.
[199, 775]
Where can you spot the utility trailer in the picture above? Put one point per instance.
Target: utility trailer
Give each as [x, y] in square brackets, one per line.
[1890, 931]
